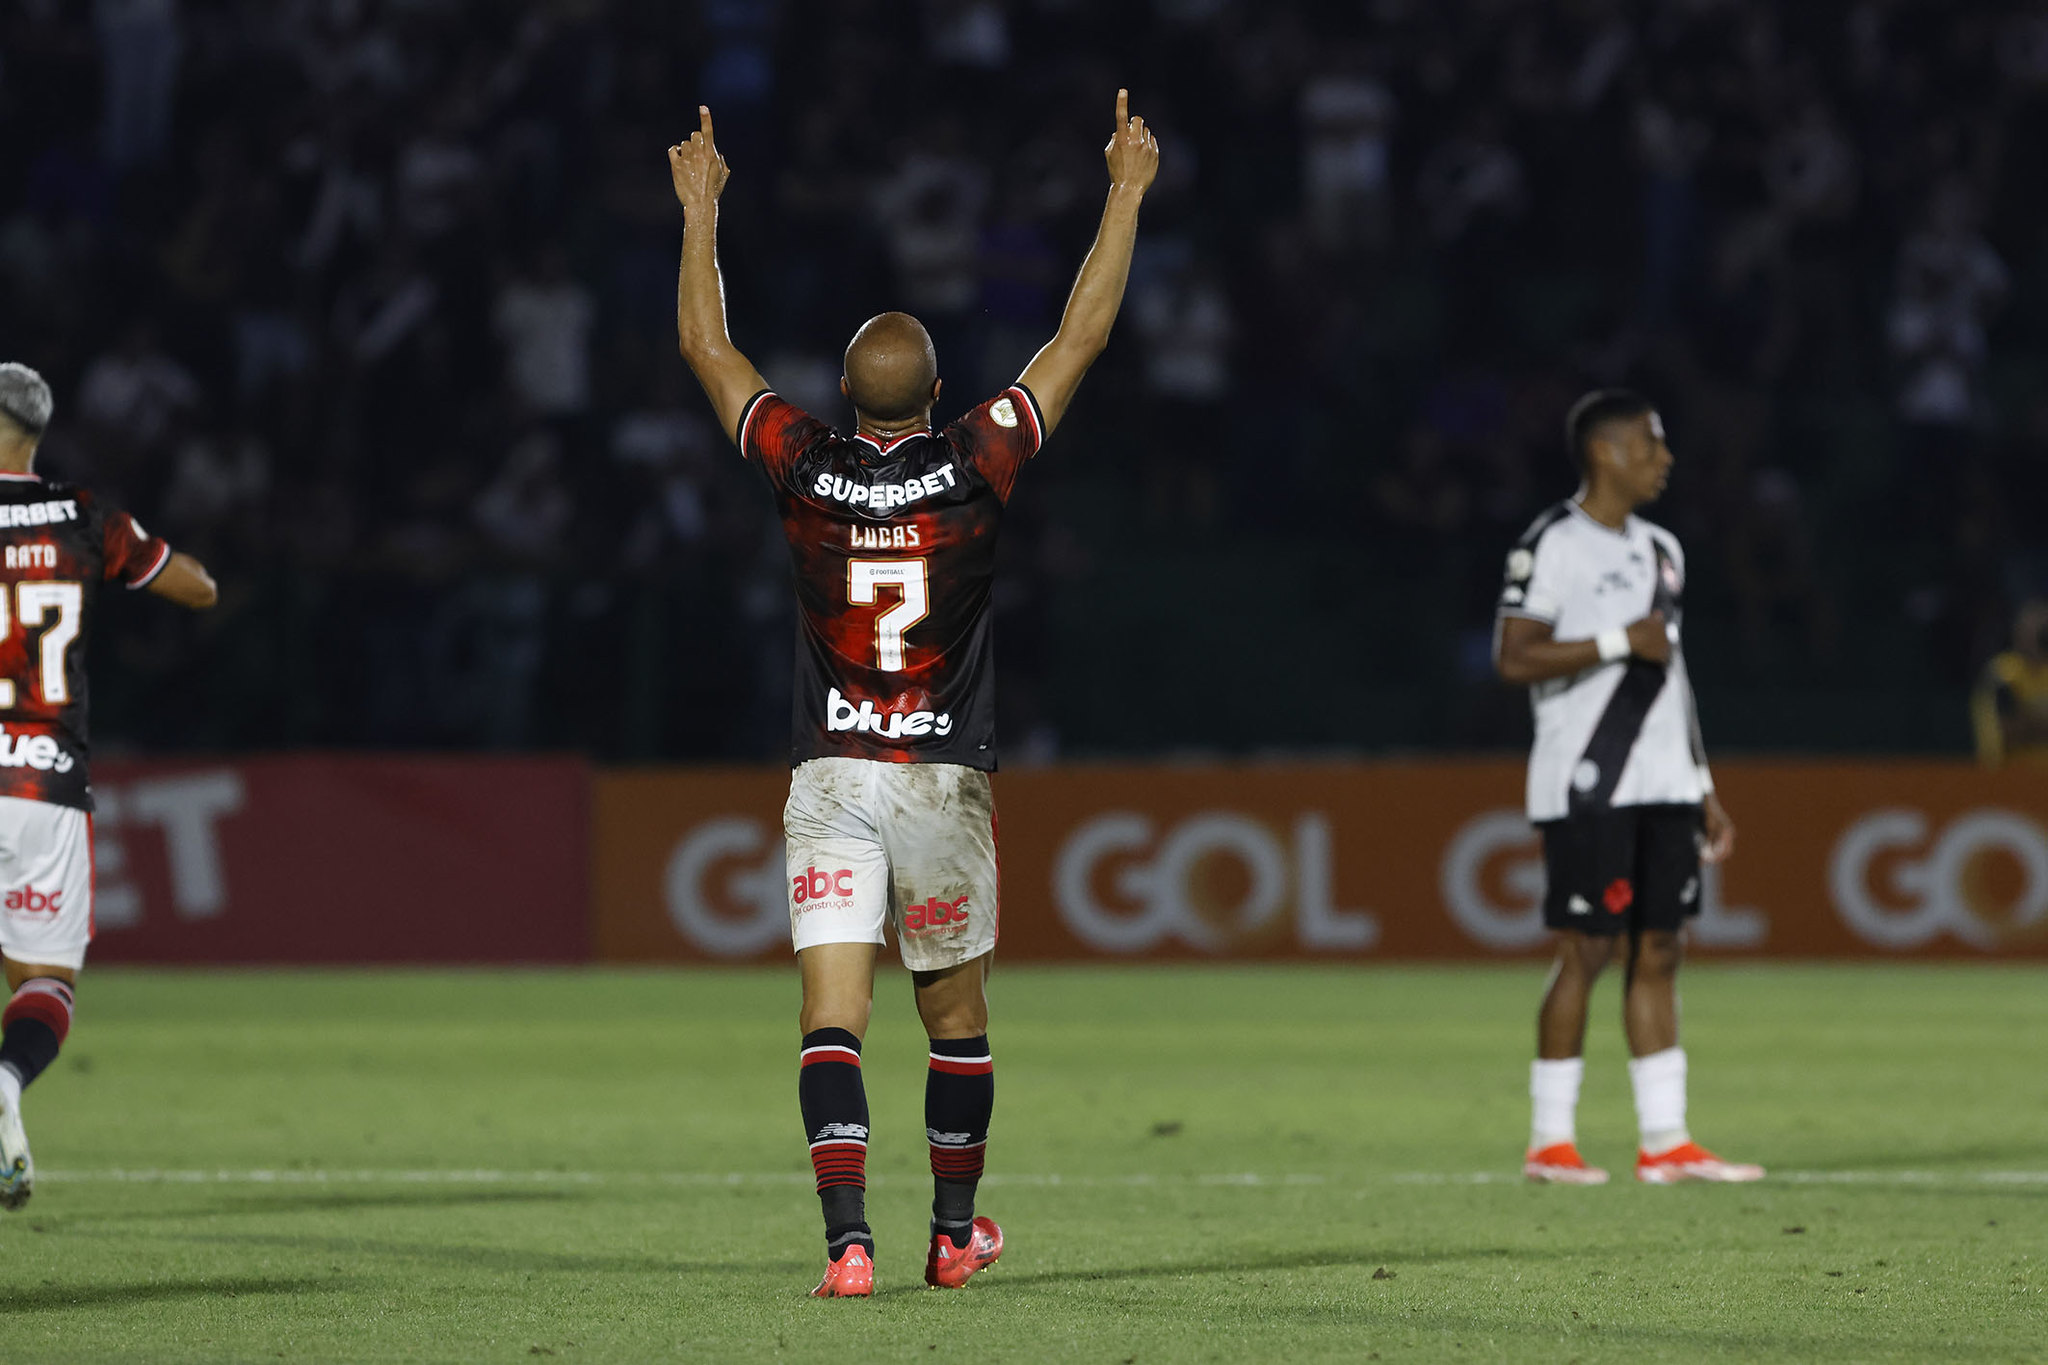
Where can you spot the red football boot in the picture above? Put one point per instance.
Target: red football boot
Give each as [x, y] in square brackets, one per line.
[852, 1276]
[949, 1266]
[1690, 1161]
[1561, 1164]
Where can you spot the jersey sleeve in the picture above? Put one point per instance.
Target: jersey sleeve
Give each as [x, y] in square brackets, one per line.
[1534, 583]
[772, 433]
[1000, 435]
[133, 556]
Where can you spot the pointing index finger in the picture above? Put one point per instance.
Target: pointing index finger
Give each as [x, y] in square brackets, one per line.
[1123, 109]
[704, 120]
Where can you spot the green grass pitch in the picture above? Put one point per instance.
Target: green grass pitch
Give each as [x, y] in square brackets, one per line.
[1191, 1165]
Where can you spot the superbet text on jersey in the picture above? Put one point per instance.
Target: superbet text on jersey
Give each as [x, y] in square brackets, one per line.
[57, 544]
[894, 547]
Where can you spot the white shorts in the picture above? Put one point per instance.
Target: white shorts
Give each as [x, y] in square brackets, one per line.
[905, 845]
[45, 882]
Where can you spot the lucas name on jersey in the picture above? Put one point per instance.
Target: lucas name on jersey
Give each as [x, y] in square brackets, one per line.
[884, 538]
[883, 496]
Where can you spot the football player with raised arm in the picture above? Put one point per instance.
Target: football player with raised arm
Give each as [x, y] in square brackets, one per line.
[1618, 782]
[890, 822]
[58, 544]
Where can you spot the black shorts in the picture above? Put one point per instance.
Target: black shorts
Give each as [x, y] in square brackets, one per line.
[1622, 870]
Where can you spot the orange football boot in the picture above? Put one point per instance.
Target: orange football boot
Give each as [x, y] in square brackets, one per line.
[852, 1276]
[1690, 1161]
[949, 1266]
[1561, 1164]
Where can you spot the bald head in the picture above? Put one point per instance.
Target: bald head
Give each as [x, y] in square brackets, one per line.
[891, 368]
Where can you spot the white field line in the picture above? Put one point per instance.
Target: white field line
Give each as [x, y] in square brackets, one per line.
[1225, 1180]
[1774, 1178]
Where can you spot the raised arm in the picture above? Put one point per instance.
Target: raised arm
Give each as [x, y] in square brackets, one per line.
[1055, 372]
[728, 377]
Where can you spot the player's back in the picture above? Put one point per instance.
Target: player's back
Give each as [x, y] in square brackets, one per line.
[894, 543]
[57, 545]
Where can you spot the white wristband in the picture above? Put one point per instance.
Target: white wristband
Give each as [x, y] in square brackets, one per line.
[1613, 645]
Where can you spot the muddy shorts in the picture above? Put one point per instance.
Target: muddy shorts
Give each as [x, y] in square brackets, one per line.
[909, 846]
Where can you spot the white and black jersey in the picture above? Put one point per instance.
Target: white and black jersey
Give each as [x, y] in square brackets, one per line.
[1622, 733]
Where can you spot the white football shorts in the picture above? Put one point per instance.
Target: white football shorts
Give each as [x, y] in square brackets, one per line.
[903, 846]
[45, 882]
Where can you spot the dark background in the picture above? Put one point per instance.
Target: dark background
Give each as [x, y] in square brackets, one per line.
[370, 306]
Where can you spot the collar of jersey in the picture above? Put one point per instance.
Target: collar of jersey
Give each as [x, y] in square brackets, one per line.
[20, 478]
[892, 444]
[1598, 524]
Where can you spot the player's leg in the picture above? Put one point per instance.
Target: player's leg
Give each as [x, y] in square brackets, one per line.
[959, 1097]
[1560, 1067]
[32, 1029]
[1578, 862]
[838, 901]
[1574, 968]
[1650, 997]
[1668, 893]
[838, 982]
[939, 825]
[46, 880]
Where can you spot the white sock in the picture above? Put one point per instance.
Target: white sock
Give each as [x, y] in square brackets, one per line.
[10, 1088]
[1659, 1081]
[1554, 1101]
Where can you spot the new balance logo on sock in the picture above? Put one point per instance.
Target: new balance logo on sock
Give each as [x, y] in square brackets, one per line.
[835, 1110]
[959, 1093]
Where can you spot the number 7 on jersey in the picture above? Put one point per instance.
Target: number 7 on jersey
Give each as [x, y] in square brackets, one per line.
[865, 577]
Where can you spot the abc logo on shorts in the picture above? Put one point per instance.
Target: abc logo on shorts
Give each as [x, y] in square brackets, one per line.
[27, 900]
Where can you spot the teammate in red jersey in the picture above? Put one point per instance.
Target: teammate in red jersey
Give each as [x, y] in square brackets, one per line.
[58, 543]
[891, 818]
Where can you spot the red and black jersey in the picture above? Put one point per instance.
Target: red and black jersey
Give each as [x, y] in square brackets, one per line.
[57, 544]
[895, 549]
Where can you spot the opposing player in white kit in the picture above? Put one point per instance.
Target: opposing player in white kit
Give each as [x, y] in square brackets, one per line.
[57, 545]
[891, 818]
[1618, 782]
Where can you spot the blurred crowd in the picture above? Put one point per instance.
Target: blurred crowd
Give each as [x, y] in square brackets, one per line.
[369, 303]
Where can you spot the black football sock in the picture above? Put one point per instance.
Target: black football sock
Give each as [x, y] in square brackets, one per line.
[33, 1026]
[959, 1095]
[835, 1106]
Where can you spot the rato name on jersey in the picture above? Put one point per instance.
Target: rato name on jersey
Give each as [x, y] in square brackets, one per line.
[893, 545]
